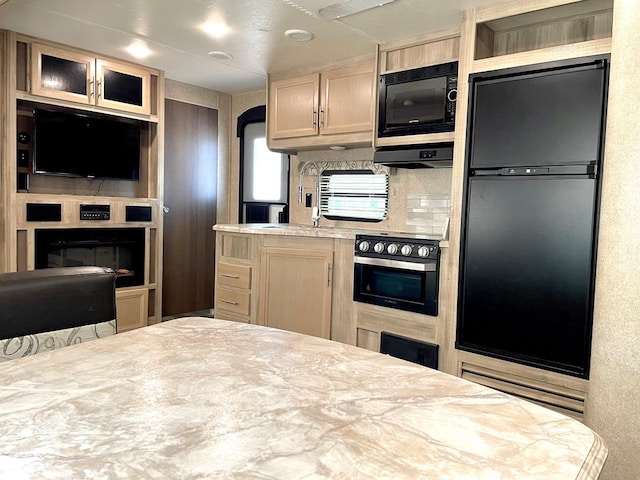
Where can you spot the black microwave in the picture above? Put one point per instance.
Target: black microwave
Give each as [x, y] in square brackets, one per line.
[417, 101]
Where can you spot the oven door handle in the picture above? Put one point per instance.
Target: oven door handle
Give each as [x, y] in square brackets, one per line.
[384, 262]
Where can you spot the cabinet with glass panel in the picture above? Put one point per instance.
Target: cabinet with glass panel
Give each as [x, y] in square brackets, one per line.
[79, 77]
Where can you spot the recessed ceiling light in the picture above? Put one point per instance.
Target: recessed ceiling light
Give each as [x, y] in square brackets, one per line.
[298, 35]
[218, 55]
[216, 29]
[138, 49]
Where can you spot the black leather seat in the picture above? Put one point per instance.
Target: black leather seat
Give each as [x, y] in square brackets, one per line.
[42, 310]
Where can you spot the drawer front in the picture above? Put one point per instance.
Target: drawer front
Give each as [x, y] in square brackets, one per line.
[232, 301]
[238, 276]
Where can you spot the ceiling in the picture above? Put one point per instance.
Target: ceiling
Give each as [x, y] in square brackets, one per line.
[174, 32]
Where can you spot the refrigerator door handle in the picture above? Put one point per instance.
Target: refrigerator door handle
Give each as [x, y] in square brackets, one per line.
[591, 170]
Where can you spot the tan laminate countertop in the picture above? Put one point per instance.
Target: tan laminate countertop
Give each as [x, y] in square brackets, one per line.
[204, 398]
[310, 231]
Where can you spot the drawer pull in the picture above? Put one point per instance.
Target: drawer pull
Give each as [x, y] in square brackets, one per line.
[229, 302]
[227, 275]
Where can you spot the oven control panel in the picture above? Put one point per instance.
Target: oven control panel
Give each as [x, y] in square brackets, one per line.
[397, 248]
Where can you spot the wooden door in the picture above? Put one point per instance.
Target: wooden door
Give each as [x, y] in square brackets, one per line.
[293, 109]
[346, 102]
[190, 177]
[296, 290]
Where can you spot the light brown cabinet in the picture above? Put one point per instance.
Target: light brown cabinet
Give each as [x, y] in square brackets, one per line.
[294, 107]
[40, 74]
[236, 277]
[296, 283]
[131, 308]
[346, 101]
[296, 290]
[234, 288]
[335, 106]
[82, 78]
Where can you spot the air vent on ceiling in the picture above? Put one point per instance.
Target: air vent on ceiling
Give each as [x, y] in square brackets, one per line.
[343, 9]
[335, 10]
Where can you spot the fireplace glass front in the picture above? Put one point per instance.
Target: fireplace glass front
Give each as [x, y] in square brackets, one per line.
[121, 249]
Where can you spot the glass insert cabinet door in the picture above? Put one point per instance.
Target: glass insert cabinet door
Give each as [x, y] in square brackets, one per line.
[122, 86]
[62, 74]
[82, 78]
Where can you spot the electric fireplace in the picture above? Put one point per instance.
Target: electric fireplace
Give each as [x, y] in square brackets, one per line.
[121, 249]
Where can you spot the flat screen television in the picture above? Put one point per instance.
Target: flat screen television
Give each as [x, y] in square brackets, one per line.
[86, 145]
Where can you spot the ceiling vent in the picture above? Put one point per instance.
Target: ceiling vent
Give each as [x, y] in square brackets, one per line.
[350, 7]
[335, 10]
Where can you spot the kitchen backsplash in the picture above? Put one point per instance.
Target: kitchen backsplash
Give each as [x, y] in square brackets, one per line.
[404, 186]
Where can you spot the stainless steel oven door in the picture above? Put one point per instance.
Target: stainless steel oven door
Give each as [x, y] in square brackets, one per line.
[396, 284]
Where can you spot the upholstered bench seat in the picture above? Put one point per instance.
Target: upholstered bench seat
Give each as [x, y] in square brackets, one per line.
[42, 310]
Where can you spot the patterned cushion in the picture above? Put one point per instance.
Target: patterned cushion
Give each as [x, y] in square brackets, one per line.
[17, 347]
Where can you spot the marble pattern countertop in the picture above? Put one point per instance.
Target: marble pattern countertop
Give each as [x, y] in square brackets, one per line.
[204, 398]
[310, 231]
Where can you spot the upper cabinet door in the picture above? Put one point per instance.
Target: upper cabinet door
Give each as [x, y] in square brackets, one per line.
[293, 109]
[61, 74]
[122, 87]
[346, 102]
[77, 77]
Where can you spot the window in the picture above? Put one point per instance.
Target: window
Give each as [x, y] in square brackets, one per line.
[357, 195]
[264, 175]
[266, 172]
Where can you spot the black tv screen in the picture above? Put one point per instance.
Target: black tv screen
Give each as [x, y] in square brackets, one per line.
[86, 145]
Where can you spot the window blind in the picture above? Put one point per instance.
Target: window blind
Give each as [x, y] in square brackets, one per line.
[354, 195]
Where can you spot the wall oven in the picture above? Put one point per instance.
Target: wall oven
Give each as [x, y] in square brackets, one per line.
[397, 272]
[418, 101]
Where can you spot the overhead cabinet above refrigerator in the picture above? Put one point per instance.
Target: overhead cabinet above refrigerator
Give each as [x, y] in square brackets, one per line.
[527, 270]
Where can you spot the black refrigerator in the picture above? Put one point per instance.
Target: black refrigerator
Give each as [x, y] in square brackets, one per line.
[530, 213]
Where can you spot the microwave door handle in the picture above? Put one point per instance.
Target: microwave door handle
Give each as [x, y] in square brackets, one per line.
[400, 265]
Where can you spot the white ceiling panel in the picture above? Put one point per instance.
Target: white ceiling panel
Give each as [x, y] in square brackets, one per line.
[172, 30]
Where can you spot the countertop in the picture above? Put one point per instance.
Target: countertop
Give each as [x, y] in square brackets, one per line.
[204, 398]
[310, 231]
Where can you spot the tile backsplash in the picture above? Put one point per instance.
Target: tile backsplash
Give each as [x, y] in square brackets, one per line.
[405, 185]
[429, 213]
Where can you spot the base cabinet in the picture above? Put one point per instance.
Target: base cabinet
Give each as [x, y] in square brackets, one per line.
[236, 277]
[296, 290]
[131, 309]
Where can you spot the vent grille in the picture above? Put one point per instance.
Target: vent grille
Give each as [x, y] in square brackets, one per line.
[349, 7]
[564, 400]
[332, 11]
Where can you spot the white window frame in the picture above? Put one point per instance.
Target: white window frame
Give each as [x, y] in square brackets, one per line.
[356, 195]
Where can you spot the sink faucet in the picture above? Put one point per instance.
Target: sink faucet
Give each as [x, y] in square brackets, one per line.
[315, 216]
